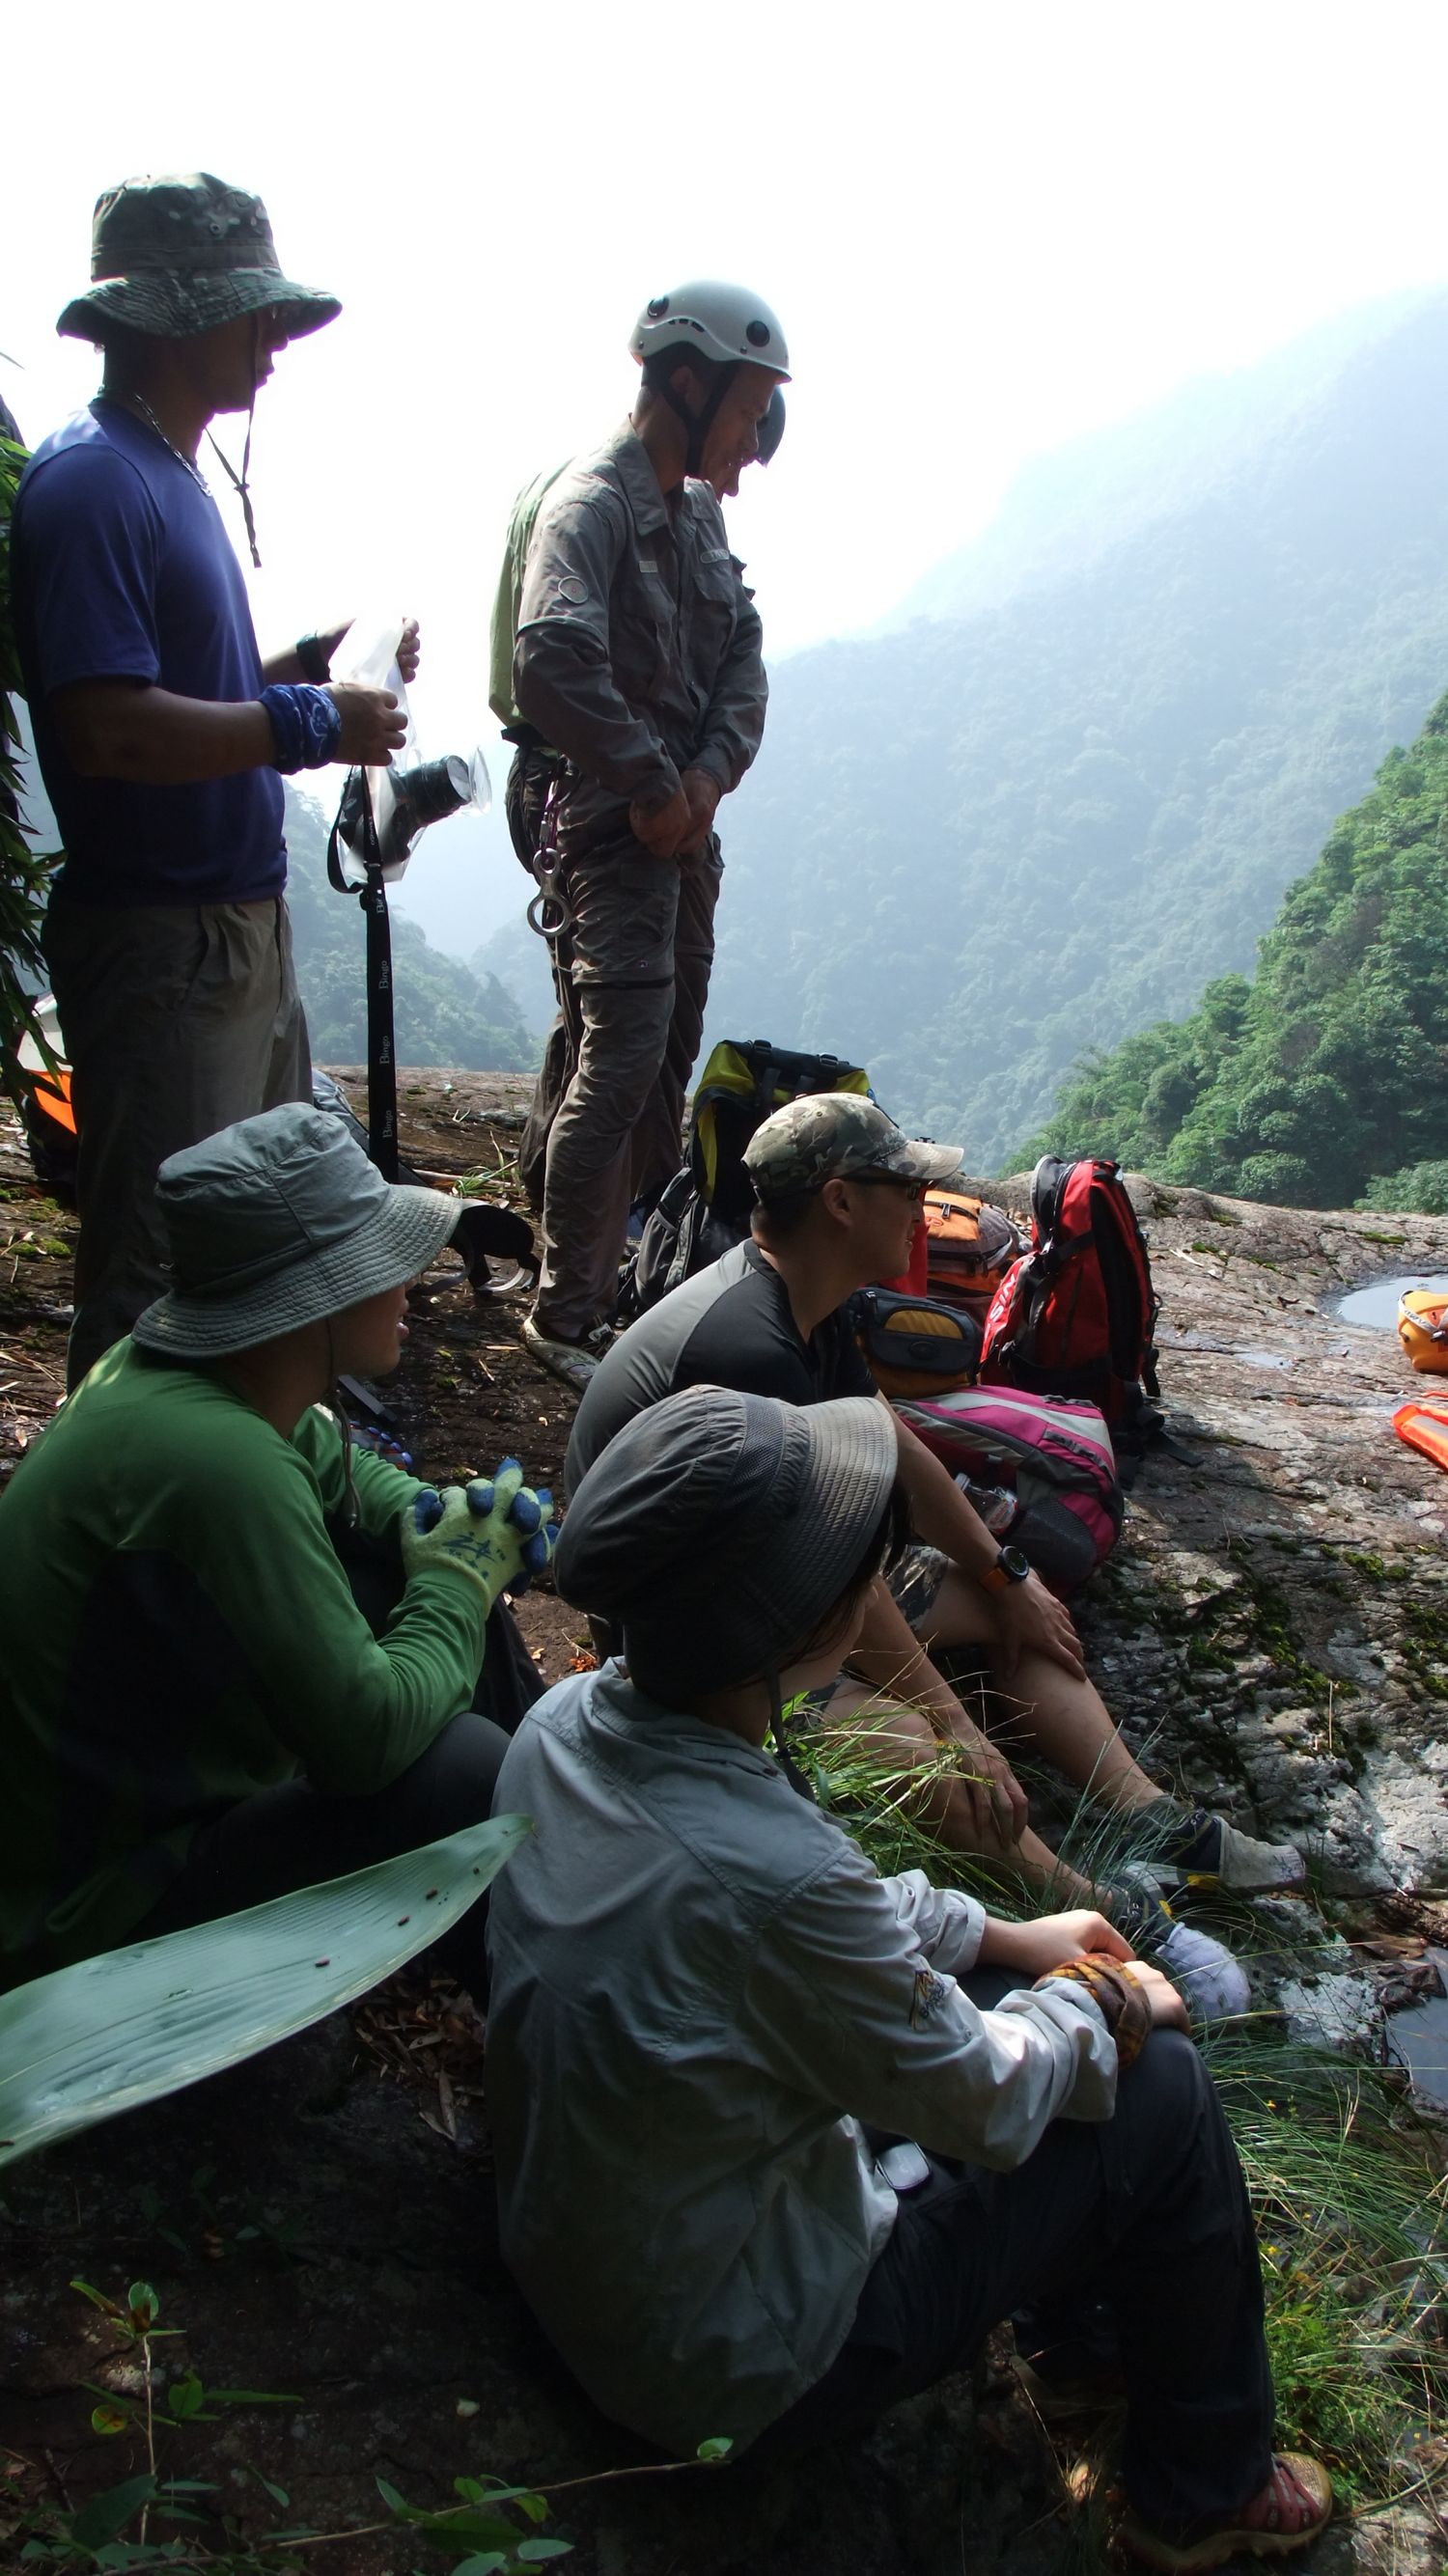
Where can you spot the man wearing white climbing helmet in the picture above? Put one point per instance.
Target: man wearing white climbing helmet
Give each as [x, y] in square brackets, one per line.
[638, 659]
[728, 327]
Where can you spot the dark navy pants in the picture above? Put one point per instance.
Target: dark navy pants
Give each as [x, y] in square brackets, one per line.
[1146, 2213]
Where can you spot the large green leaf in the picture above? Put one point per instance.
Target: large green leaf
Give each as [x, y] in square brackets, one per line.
[98, 2038]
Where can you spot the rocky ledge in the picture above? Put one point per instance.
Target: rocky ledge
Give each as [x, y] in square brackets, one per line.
[1272, 1632]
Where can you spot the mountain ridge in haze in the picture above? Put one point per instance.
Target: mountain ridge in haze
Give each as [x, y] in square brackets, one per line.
[981, 844]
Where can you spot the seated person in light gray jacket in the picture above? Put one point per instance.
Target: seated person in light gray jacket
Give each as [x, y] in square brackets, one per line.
[710, 2016]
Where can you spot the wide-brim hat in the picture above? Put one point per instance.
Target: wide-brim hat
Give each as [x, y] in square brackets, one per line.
[175, 257]
[278, 1222]
[721, 1528]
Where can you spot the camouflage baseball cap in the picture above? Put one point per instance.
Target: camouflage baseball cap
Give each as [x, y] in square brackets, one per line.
[835, 1136]
[175, 257]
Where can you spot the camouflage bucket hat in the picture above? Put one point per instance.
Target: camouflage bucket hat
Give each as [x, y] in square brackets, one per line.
[175, 257]
[836, 1136]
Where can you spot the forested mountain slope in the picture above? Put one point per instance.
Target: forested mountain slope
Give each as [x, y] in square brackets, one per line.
[1066, 509]
[976, 848]
[1325, 1080]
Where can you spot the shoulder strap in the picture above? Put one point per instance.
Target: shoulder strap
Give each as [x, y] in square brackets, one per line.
[355, 809]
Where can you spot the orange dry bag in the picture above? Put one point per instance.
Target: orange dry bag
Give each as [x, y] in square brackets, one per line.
[1423, 1328]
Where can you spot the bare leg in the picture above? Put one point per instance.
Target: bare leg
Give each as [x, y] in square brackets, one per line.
[1064, 1719]
[900, 1744]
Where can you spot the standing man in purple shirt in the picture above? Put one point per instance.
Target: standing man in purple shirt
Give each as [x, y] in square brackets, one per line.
[161, 733]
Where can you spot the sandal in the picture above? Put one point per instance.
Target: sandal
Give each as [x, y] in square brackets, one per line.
[1292, 2508]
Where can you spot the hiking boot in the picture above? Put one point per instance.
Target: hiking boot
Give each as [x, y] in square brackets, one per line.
[1212, 1984]
[1194, 1848]
[1288, 2513]
[573, 1362]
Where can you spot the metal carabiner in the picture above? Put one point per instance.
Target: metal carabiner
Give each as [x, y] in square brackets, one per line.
[548, 869]
[550, 894]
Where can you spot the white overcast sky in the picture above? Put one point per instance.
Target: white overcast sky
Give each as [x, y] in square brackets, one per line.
[985, 229]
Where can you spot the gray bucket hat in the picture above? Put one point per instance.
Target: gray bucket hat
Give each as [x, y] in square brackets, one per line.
[281, 1221]
[175, 257]
[835, 1136]
[720, 1528]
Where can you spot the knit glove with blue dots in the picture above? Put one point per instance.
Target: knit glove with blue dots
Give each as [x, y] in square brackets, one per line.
[497, 1532]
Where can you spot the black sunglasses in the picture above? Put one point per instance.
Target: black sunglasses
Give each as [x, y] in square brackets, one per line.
[889, 1181]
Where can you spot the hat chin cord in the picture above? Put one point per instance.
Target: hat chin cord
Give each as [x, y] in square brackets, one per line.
[783, 1750]
[337, 1404]
[240, 482]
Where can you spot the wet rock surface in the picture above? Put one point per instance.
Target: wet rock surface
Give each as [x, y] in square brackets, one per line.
[1273, 1635]
[1275, 1625]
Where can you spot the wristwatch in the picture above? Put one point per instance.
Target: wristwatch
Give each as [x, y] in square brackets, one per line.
[314, 663]
[1011, 1566]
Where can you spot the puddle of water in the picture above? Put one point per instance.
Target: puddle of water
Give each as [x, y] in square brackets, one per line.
[1377, 1304]
[1418, 2038]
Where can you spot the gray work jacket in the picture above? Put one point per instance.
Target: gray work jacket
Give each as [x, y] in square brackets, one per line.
[700, 1987]
[639, 649]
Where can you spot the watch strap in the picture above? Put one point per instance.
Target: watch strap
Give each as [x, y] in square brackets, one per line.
[998, 1577]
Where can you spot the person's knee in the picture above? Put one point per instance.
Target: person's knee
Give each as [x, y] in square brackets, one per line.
[625, 1039]
[451, 1785]
[1168, 2094]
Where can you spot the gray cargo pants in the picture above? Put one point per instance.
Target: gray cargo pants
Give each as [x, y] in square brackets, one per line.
[633, 979]
[177, 1018]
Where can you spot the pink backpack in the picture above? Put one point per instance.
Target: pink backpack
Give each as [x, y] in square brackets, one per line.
[1050, 1456]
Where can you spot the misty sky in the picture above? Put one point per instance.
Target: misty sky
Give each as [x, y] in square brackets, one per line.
[985, 229]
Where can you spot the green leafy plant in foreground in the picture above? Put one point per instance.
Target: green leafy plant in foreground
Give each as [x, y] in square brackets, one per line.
[134, 2024]
[495, 2525]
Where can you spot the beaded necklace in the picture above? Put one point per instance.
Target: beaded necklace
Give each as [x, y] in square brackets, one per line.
[149, 417]
[239, 481]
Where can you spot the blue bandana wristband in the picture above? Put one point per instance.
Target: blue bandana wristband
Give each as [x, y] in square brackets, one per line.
[306, 724]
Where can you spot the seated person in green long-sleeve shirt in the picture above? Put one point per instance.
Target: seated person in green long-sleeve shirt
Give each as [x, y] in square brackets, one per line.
[195, 1714]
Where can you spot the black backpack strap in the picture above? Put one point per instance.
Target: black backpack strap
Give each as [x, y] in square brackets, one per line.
[356, 805]
[335, 877]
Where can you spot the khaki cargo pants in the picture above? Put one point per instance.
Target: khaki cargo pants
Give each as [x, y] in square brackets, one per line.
[178, 1019]
[633, 979]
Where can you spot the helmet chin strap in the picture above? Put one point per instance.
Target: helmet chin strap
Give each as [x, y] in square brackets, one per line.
[697, 424]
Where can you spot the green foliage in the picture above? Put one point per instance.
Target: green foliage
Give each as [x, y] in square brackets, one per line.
[1324, 1083]
[976, 848]
[1422, 1190]
[495, 2525]
[1349, 2214]
[23, 875]
[445, 1013]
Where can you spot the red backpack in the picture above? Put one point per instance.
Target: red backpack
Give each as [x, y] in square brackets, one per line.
[1075, 1315]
